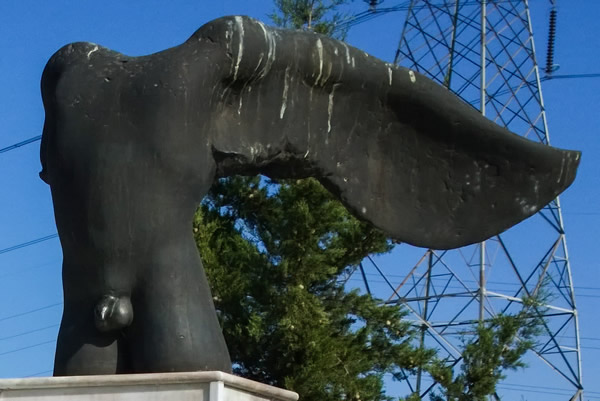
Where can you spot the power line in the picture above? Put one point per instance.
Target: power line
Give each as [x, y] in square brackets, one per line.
[565, 76]
[24, 270]
[22, 143]
[545, 387]
[456, 287]
[504, 283]
[28, 332]
[29, 243]
[30, 311]
[40, 373]
[371, 13]
[535, 389]
[27, 347]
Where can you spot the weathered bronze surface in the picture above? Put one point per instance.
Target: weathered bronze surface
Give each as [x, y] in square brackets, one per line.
[132, 144]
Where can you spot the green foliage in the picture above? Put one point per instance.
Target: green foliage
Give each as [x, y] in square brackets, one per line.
[274, 256]
[314, 15]
[498, 346]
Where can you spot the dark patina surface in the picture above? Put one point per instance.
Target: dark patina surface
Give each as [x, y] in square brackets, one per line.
[132, 144]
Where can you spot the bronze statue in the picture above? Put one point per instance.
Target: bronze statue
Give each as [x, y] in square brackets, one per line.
[132, 144]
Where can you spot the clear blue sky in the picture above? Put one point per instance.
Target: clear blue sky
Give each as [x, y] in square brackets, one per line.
[30, 31]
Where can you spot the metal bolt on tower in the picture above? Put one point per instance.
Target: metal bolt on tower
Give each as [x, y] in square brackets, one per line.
[483, 50]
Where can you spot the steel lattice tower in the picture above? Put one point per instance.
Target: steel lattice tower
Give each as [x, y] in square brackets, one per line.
[483, 50]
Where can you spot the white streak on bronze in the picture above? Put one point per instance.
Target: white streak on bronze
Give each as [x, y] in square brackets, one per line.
[240, 27]
[286, 86]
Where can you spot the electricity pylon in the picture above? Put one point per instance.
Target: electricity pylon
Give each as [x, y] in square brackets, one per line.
[483, 50]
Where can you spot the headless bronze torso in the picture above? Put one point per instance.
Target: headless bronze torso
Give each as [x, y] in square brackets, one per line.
[132, 144]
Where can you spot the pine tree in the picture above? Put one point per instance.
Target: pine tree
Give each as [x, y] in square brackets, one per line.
[275, 254]
[319, 16]
[499, 346]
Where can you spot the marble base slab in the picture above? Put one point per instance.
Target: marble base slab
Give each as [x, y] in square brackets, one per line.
[189, 386]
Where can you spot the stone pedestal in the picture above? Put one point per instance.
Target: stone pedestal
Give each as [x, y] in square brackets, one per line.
[192, 386]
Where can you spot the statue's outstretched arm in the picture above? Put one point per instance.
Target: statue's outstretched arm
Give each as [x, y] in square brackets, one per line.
[399, 150]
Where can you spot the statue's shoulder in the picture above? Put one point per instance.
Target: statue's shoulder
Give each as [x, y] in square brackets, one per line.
[235, 31]
[75, 61]
[221, 28]
[71, 54]
[63, 59]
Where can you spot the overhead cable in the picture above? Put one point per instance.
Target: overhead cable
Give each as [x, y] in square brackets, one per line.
[22, 143]
[29, 243]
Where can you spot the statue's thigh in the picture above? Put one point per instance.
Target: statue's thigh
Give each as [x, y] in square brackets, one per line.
[175, 326]
[82, 350]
